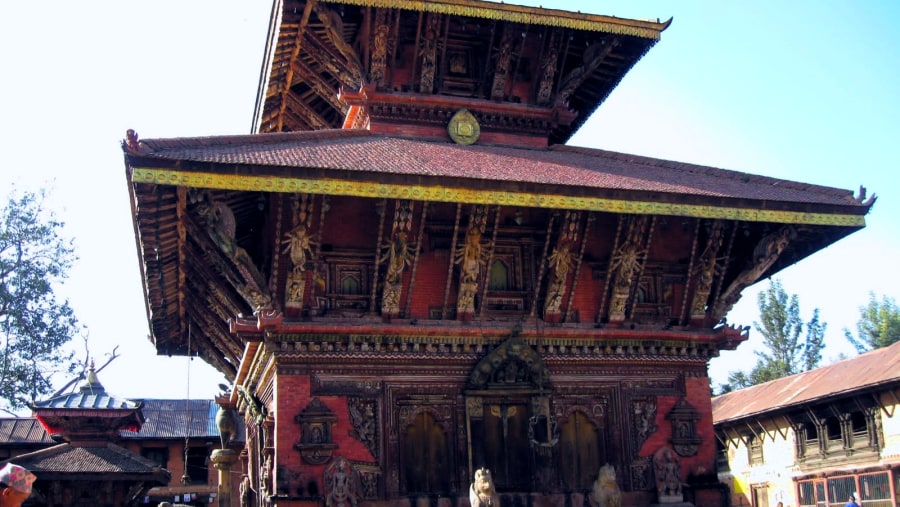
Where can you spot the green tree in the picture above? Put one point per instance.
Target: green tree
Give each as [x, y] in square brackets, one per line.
[785, 352]
[34, 322]
[878, 325]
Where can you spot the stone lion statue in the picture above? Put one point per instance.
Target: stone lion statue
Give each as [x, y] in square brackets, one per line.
[482, 492]
[606, 492]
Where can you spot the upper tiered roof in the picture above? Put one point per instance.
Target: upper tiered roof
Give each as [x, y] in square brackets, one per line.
[531, 72]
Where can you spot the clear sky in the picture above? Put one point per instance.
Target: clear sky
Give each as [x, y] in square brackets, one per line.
[806, 90]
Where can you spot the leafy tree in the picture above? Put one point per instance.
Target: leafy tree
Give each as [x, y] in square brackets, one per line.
[781, 327]
[34, 322]
[878, 325]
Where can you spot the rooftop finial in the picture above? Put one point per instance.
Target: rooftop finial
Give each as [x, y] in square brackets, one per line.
[90, 382]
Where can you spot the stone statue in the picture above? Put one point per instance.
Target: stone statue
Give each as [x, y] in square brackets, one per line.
[606, 492]
[482, 492]
[226, 424]
[340, 484]
[667, 472]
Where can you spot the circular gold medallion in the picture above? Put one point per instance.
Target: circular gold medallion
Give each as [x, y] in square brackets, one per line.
[463, 127]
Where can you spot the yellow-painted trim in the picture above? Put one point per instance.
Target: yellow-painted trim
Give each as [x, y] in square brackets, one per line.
[522, 14]
[474, 196]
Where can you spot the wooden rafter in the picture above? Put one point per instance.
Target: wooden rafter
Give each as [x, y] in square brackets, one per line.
[301, 108]
[315, 81]
[295, 53]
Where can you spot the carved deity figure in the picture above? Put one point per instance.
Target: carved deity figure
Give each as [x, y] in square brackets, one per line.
[482, 492]
[380, 50]
[340, 484]
[398, 256]
[548, 71]
[645, 418]
[470, 256]
[299, 244]
[624, 265]
[707, 269]
[667, 472]
[560, 261]
[606, 492]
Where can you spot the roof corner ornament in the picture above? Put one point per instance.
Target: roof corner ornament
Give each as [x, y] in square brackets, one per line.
[464, 128]
[131, 142]
[861, 199]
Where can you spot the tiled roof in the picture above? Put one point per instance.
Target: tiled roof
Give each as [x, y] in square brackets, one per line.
[103, 459]
[880, 367]
[163, 419]
[359, 154]
[23, 430]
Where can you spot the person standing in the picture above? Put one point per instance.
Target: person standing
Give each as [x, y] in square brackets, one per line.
[852, 501]
[15, 482]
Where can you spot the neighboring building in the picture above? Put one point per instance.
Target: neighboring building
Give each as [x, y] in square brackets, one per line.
[812, 439]
[407, 276]
[180, 435]
[173, 443]
[86, 466]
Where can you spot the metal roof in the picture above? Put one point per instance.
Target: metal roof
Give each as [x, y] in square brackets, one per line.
[164, 419]
[880, 367]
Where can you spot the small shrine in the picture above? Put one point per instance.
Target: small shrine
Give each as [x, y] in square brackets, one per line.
[87, 466]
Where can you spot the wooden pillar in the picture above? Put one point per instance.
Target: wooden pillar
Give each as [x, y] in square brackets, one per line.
[223, 459]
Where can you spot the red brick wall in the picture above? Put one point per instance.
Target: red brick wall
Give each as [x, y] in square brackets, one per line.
[697, 394]
[292, 395]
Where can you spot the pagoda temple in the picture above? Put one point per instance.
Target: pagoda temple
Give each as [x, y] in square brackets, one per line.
[409, 277]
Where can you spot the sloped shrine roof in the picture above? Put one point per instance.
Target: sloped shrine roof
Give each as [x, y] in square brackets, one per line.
[357, 162]
[90, 396]
[65, 461]
[880, 367]
[88, 412]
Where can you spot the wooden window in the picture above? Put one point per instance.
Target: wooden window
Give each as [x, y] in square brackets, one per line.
[875, 490]
[755, 450]
[859, 429]
[806, 493]
[197, 465]
[833, 433]
[722, 463]
[499, 276]
[158, 455]
[840, 488]
[350, 283]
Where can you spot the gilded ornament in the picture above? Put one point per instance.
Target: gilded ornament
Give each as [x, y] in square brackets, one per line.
[463, 128]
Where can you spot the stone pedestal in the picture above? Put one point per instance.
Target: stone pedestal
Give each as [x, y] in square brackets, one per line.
[223, 459]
